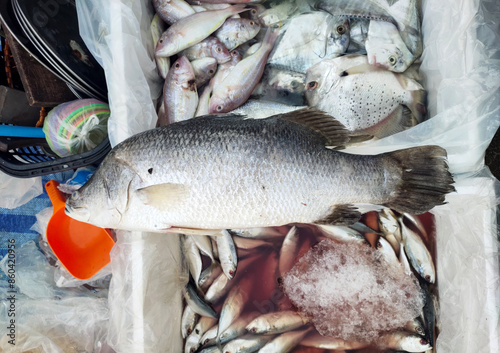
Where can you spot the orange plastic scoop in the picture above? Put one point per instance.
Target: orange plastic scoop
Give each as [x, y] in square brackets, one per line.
[81, 247]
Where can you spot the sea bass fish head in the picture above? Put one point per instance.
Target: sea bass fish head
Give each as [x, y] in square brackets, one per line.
[108, 188]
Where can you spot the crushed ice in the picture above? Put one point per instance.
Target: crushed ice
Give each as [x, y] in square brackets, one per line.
[351, 292]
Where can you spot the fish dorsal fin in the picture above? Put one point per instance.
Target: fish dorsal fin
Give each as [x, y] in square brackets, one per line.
[331, 129]
[162, 196]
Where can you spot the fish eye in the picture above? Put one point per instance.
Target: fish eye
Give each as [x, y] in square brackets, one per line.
[161, 40]
[234, 53]
[341, 29]
[75, 195]
[219, 108]
[218, 49]
[253, 12]
[252, 23]
[392, 60]
[312, 85]
[343, 73]
[177, 65]
[210, 71]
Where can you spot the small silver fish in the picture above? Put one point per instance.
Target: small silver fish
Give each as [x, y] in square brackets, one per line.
[192, 254]
[236, 31]
[193, 29]
[193, 340]
[406, 341]
[285, 342]
[235, 302]
[237, 328]
[227, 253]
[342, 233]
[209, 337]
[208, 275]
[204, 69]
[246, 344]
[367, 100]
[260, 109]
[316, 340]
[276, 322]
[209, 47]
[188, 321]
[308, 39]
[171, 11]
[196, 303]
[179, 92]
[288, 251]
[418, 254]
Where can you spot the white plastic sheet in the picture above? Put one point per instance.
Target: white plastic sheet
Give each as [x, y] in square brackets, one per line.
[17, 191]
[145, 298]
[118, 35]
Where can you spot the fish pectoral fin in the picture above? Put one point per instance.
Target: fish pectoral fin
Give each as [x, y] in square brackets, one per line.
[345, 214]
[162, 196]
[331, 129]
[193, 231]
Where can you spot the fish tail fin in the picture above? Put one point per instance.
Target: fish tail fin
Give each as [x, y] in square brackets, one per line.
[238, 8]
[271, 35]
[418, 105]
[425, 179]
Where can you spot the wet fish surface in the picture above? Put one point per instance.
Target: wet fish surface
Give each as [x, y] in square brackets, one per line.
[196, 174]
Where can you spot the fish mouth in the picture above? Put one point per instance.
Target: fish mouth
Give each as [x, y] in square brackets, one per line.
[81, 214]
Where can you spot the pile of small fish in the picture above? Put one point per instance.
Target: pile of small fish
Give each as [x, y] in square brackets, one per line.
[226, 308]
[355, 60]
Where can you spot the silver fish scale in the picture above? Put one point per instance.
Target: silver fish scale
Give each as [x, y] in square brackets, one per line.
[245, 173]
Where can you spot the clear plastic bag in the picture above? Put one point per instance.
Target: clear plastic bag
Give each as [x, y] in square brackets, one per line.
[18, 191]
[76, 127]
[43, 318]
[118, 35]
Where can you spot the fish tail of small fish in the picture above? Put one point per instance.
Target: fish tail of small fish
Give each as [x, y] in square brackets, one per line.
[419, 104]
[271, 36]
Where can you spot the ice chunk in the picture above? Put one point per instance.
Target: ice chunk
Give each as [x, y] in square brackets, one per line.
[351, 292]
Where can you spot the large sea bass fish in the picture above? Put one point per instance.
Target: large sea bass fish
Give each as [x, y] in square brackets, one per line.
[220, 172]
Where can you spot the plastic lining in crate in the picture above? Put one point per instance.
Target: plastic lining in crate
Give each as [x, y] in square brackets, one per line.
[26, 158]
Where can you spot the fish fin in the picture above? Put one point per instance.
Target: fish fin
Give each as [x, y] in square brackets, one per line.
[344, 214]
[399, 120]
[418, 105]
[361, 69]
[162, 196]
[332, 130]
[425, 179]
[192, 231]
